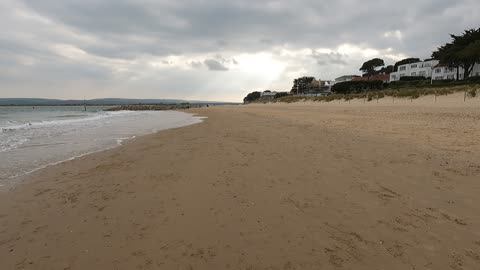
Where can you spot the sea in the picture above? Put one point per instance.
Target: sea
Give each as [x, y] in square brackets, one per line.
[32, 138]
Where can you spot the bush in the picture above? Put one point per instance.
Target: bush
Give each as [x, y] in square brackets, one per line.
[332, 97]
[281, 94]
[472, 92]
[442, 81]
[352, 87]
[398, 84]
[290, 99]
[434, 84]
[412, 78]
[473, 79]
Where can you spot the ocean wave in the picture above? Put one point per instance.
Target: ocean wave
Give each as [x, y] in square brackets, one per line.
[7, 144]
[71, 116]
[120, 140]
[96, 117]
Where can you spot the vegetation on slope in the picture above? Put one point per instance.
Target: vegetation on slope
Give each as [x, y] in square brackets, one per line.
[413, 93]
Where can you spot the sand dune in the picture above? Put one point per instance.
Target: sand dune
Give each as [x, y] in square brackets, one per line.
[276, 186]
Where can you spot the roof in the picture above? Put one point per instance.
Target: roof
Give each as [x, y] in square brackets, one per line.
[347, 76]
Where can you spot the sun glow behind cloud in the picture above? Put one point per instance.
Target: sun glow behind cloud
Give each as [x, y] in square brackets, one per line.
[260, 64]
[394, 34]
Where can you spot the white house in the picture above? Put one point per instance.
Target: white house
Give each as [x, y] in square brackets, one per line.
[444, 72]
[423, 68]
[345, 78]
[268, 93]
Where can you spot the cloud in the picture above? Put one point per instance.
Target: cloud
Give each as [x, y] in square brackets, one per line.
[147, 48]
[215, 65]
[395, 34]
[196, 64]
[332, 58]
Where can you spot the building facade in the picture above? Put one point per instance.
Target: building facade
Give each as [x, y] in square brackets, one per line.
[432, 69]
[444, 72]
[423, 68]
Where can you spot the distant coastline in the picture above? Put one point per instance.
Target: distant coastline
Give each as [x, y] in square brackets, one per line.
[101, 102]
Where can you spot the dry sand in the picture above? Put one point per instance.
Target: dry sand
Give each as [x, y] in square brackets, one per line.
[298, 186]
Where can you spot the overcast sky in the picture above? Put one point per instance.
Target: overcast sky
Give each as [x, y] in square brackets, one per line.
[208, 49]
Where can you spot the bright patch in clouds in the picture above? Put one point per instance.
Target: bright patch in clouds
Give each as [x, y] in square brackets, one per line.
[261, 64]
[394, 34]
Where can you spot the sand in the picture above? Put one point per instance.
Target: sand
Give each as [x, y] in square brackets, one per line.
[280, 186]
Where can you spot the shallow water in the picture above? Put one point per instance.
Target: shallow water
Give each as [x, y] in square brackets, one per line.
[34, 137]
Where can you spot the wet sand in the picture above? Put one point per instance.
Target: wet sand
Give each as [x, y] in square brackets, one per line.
[280, 186]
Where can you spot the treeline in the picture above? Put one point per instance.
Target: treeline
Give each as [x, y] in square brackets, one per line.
[463, 51]
[353, 87]
[360, 87]
[257, 96]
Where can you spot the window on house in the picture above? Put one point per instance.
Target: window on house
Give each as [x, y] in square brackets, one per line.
[438, 70]
[451, 69]
[422, 73]
[413, 66]
[414, 73]
[394, 77]
[450, 77]
[401, 75]
[403, 68]
[439, 78]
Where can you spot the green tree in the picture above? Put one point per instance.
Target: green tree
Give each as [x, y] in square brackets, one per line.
[369, 68]
[471, 51]
[463, 51]
[252, 97]
[300, 85]
[356, 87]
[281, 94]
[386, 70]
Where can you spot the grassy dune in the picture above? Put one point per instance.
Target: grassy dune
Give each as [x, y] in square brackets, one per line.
[413, 93]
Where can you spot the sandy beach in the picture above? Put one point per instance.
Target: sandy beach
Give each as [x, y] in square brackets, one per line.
[276, 186]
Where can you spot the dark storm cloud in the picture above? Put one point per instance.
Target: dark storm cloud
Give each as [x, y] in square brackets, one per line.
[119, 41]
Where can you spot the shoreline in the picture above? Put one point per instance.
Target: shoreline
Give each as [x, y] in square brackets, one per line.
[308, 187]
[23, 177]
